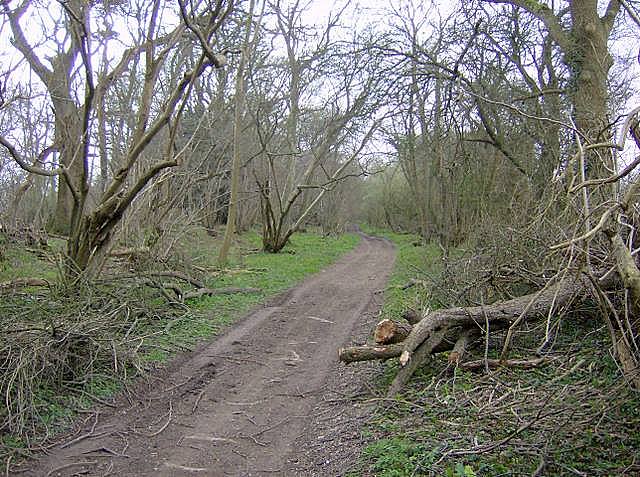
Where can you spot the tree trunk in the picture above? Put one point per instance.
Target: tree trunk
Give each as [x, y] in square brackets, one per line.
[235, 165]
[68, 132]
[590, 62]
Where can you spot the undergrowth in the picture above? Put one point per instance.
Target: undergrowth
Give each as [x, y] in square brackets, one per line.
[64, 348]
[573, 416]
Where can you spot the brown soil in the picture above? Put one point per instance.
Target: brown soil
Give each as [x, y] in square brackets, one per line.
[267, 398]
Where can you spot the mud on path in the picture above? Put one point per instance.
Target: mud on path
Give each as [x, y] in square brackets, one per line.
[266, 398]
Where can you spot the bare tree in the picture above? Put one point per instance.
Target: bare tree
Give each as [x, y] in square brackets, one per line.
[323, 103]
[92, 228]
[586, 52]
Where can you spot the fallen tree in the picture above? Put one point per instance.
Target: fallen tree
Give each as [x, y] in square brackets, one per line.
[553, 297]
[454, 329]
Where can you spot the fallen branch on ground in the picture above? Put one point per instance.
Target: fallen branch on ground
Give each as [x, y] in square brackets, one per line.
[22, 283]
[130, 252]
[462, 343]
[218, 291]
[527, 306]
[509, 363]
[455, 340]
[180, 276]
[424, 336]
[456, 328]
[352, 354]
[412, 283]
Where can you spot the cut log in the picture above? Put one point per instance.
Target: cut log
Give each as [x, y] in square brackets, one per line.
[388, 331]
[421, 354]
[219, 291]
[352, 354]
[461, 345]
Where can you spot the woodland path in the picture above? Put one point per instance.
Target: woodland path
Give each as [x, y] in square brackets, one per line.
[268, 397]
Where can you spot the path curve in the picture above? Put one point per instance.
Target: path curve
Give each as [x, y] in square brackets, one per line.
[254, 402]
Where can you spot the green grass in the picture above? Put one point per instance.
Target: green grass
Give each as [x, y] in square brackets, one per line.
[19, 262]
[414, 261]
[247, 267]
[584, 419]
[397, 457]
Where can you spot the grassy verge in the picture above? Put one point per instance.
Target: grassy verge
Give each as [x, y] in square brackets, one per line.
[573, 416]
[65, 348]
[415, 263]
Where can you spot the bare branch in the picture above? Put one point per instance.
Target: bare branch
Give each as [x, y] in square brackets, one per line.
[610, 15]
[546, 16]
[24, 164]
[632, 13]
[21, 43]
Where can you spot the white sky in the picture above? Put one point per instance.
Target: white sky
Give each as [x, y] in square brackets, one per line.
[360, 12]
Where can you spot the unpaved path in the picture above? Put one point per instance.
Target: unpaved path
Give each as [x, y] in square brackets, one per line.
[266, 398]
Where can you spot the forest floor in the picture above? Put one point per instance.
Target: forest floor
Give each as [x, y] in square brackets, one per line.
[268, 397]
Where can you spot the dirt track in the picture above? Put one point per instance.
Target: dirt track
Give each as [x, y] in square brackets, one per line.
[266, 398]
